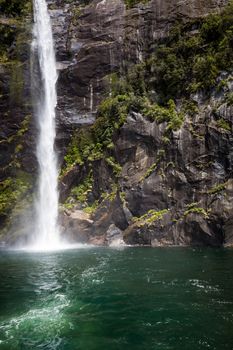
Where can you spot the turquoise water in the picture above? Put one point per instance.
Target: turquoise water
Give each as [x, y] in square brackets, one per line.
[100, 298]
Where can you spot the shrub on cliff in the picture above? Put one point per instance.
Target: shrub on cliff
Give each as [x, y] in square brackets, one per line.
[190, 59]
[13, 7]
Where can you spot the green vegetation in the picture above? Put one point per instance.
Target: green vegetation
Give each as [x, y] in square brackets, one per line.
[72, 156]
[150, 217]
[16, 186]
[187, 62]
[95, 142]
[161, 114]
[110, 196]
[24, 126]
[13, 14]
[223, 124]
[16, 83]
[18, 140]
[14, 8]
[13, 168]
[153, 167]
[217, 189]
[131, 3]
[22, 129]
[229, 99]
[90, 209]
[190, 107]
[7, 36]
[193, 208]
[190, 59]
[80, 193]
[11, 192]
[195, 133]
[117, 169]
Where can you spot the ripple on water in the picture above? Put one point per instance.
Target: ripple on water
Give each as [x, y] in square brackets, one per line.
[40, 326]
[204, 286]
[99, 299]
[94, 275]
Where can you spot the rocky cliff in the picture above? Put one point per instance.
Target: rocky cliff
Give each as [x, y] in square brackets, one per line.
[144, 121]
[96, 38]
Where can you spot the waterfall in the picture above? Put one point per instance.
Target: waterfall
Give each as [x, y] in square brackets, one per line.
[46, 231]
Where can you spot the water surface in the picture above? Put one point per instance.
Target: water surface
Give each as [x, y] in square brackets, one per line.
[105, 299]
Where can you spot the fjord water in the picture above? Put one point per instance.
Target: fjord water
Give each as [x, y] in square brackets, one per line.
[100, 298]
[46, 229]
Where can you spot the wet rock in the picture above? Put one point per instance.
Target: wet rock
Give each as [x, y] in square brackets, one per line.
[135, 235]
[193, 173]
[73, 177]
[195, 230]
[94, 39]
[114, 236]
[228, 232]
[110, 212]
[98, 240]
[76, 226]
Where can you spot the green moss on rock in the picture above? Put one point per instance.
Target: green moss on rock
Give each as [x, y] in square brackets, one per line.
[11, 191]
[224, 124]
[194, 209]
[188, 60]
[131, 3]
[150, 217]
[217, 189]
[15, 8]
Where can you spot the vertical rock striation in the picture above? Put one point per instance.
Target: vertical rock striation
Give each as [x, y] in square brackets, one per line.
[149, 190]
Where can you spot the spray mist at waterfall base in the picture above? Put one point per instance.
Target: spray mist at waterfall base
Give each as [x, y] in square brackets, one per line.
[56, 248]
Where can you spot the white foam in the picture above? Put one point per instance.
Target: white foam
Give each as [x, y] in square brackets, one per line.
[55, 248]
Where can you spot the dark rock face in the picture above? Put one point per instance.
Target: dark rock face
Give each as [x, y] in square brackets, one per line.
[14, 108]
[188, 175]
[190, 182]
[17, 134]
[76, 226]
[96, 38]
[186, 199]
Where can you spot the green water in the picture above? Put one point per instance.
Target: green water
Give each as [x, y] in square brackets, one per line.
[136, 298]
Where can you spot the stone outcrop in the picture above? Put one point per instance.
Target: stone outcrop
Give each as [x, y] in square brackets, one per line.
[186, 199]
[187, 180]
[174, 193]
[192, 179]
[96, 38]
[76, 226]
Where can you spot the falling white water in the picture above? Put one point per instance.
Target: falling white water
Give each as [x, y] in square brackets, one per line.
[91, 98]
[46, 232]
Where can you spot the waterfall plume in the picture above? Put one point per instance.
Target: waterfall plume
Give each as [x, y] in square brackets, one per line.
[46, 228]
